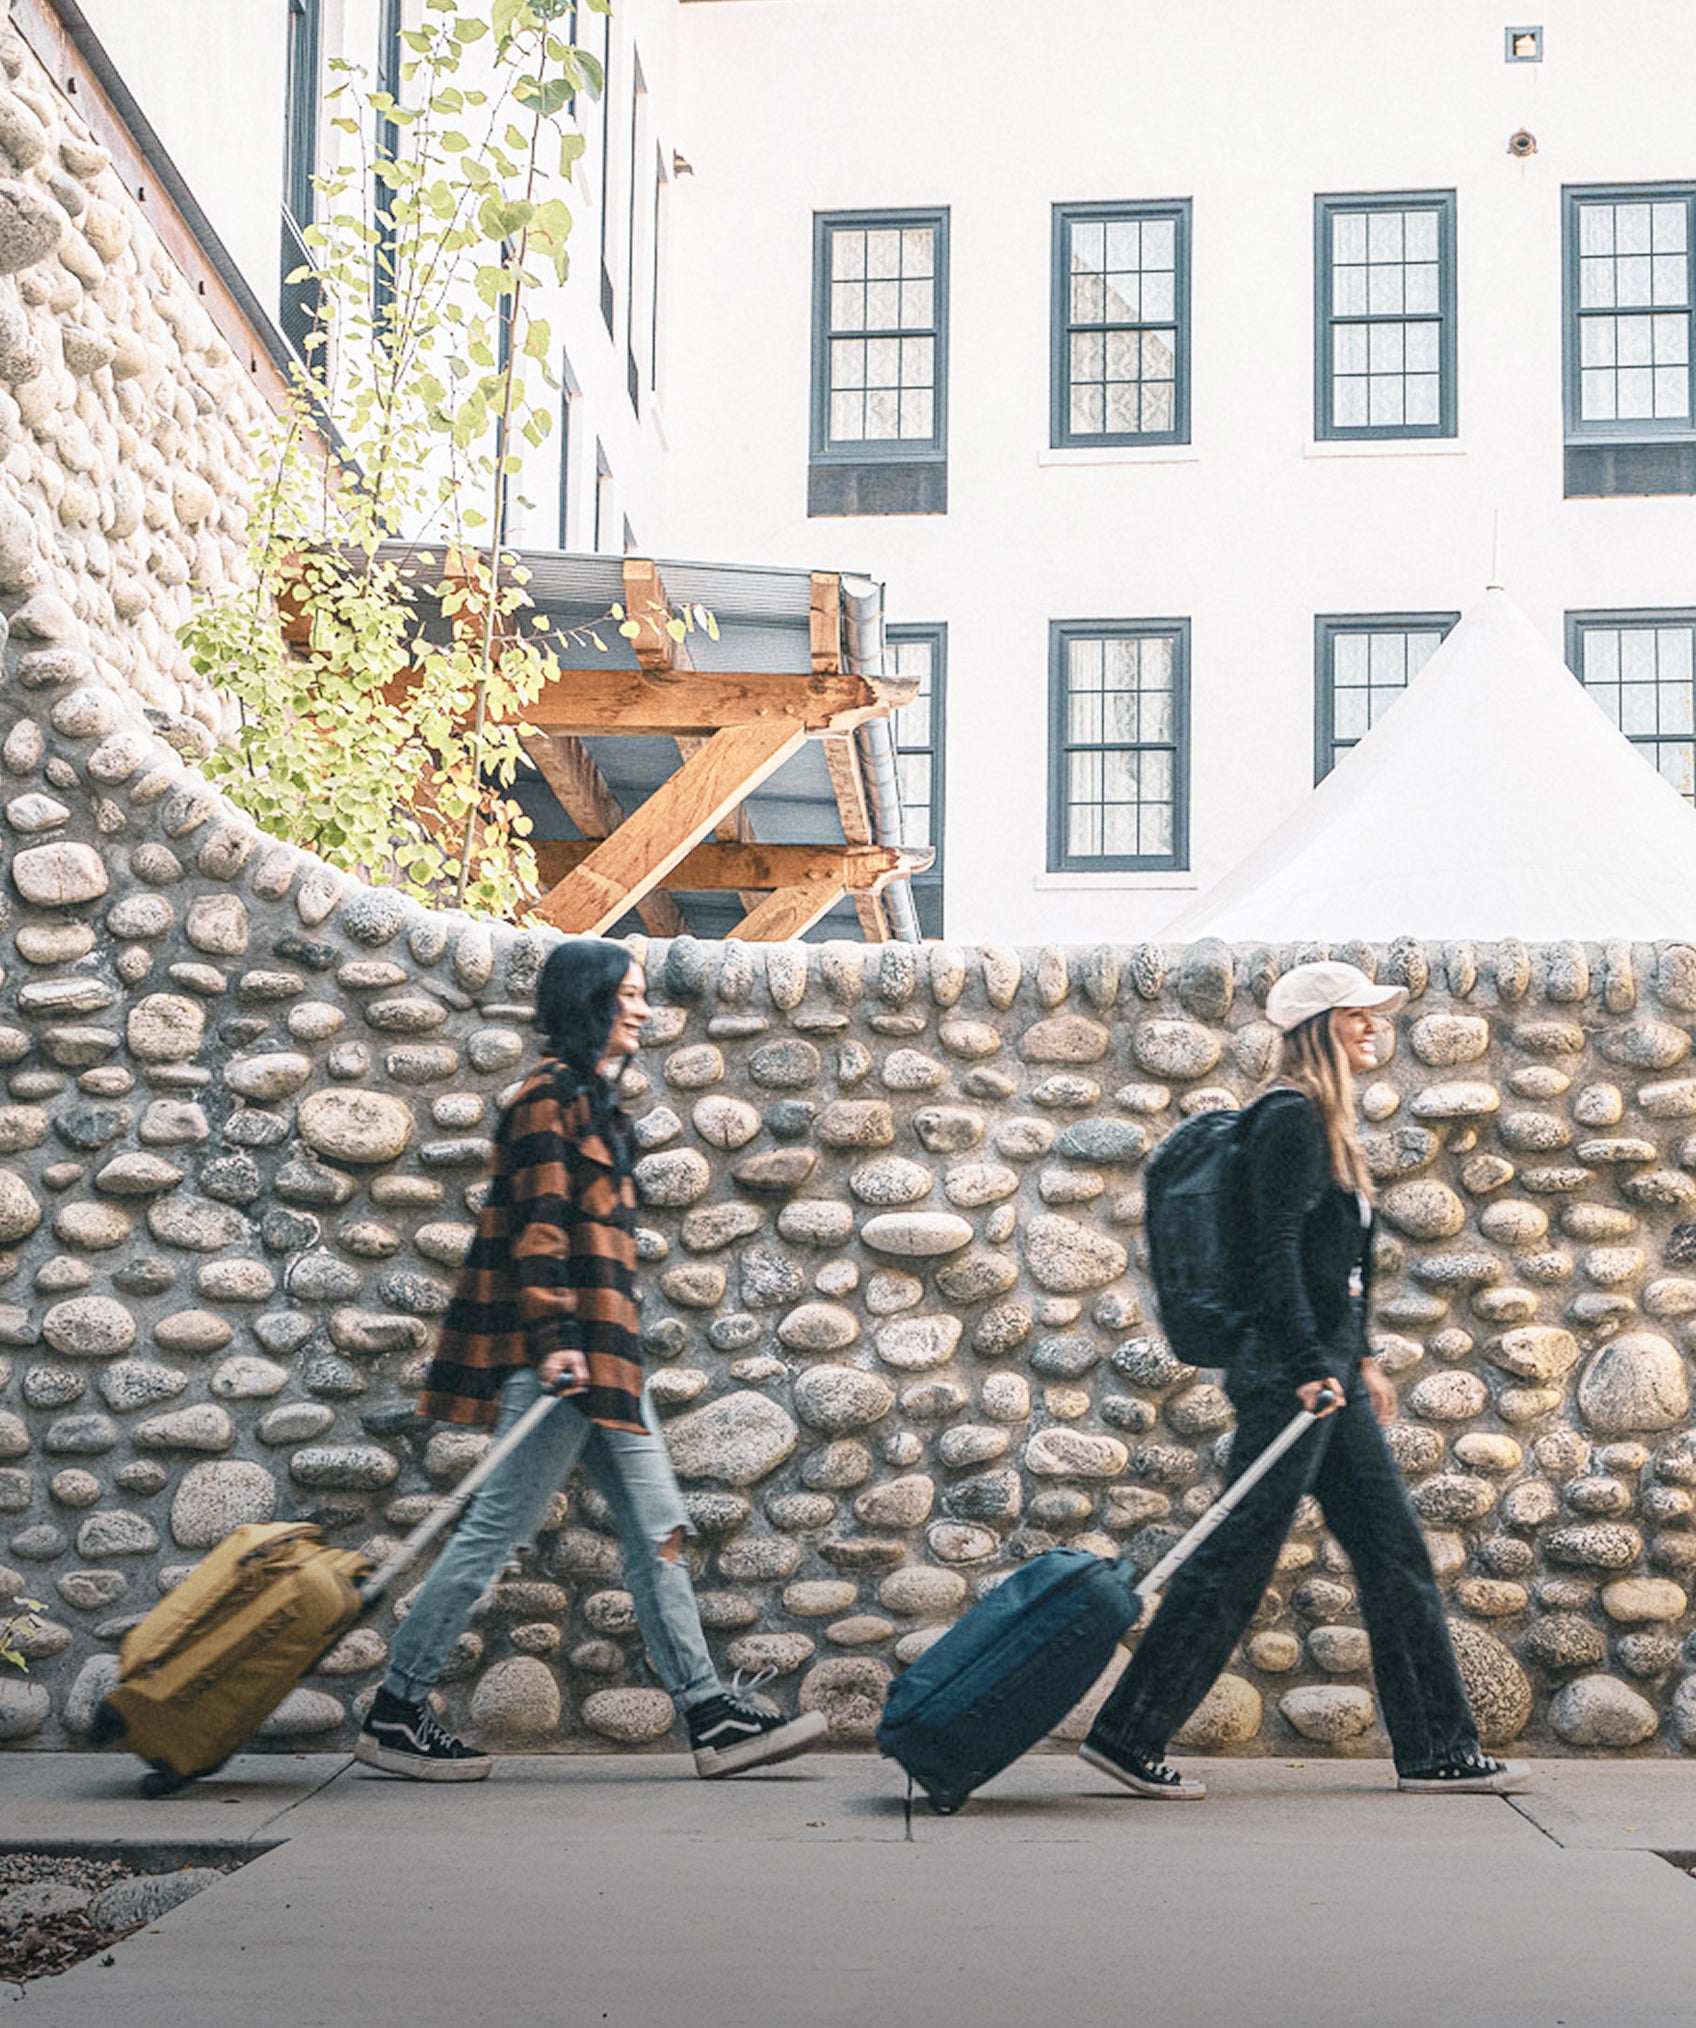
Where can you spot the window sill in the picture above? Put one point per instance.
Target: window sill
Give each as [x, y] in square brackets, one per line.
[1385, 447]
[1173, 882]
[1121, 454]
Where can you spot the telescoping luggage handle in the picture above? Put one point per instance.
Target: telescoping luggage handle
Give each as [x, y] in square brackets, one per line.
[1221, 1510]
[460, 1498]
[457, 1501]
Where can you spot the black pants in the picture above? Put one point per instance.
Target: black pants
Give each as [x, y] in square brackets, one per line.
[1345, 1462]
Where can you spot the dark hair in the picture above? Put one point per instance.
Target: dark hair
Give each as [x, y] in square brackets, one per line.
[576, 1000]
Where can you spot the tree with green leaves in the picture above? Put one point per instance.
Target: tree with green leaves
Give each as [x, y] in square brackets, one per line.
[385, 647]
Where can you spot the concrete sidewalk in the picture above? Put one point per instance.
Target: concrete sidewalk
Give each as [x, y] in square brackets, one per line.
[573, 1891]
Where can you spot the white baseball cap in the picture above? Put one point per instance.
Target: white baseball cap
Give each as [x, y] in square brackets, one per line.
[1316, 989]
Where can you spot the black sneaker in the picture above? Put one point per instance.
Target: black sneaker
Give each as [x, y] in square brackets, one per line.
[408, 1739]
[1151, 1778]
[1468, 1774]
[736, 1730]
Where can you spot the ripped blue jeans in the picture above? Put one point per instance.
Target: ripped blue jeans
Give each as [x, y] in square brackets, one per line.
[632, 1472]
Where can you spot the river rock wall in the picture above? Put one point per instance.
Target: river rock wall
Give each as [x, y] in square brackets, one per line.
[127, 424]
[899, 1332]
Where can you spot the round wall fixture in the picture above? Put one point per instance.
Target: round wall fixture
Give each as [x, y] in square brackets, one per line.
[1522, 144]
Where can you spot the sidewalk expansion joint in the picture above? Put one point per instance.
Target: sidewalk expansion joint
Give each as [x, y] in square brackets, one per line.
[1534, 1822]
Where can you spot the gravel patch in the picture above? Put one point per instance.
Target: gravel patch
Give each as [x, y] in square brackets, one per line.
[57, 1908]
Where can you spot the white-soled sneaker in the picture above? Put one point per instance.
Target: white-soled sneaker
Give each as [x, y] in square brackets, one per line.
[1150, 1778]
[408, 1739]
[737, 1730]
[1471, 1774]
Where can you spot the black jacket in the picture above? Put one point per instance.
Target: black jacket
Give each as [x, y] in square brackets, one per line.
[1306, 1240]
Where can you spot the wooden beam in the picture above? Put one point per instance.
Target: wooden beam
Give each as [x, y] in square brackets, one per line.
[581, 791]
[648, 607]
[592, 701]
[648, 604]
[567, 768]
[712, 866]
[824, 621]
[848, 783]
[874, 919]
[785, 914]
[675, 818]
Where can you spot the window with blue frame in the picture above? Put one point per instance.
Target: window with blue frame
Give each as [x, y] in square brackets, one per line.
[569, 393]
[1630, 305]
[390, 62]
[1120, 324]
[607, 297]
[603, 498]
[638, 139]
[297, 303]
[1362, 663]
[1118, 745]
[918, 729]
[1641, 669]
[879, 370]
[1385, 297]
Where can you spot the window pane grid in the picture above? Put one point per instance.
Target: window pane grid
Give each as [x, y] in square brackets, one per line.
[1121, 289]
[1118, 747]
[1641, 674]
[881, 334]
[1631, 307]
[1634, 305]
[915, 741]
[1385, 318]
[1364, 667]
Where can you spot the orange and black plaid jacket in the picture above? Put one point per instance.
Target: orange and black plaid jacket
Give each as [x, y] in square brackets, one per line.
[553, 1264]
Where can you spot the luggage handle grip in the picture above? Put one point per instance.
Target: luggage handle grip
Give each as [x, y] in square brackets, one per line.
[457, 1501]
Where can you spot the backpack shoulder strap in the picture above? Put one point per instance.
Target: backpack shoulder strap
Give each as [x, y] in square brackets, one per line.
[1283, 1101]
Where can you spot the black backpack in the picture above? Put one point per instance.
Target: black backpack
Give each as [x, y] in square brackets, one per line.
[1199, 1234]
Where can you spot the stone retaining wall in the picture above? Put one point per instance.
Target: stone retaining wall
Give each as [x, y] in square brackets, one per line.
[897, 1325]
[126, 423]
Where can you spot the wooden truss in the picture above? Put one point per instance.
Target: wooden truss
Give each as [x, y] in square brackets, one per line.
[693, 833]
[732, 731]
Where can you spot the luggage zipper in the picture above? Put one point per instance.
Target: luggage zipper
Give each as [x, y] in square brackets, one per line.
[308, 1530]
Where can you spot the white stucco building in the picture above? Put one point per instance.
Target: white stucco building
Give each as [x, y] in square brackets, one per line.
[1172, 365]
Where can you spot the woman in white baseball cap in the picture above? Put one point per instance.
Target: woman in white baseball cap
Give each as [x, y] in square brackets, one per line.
[1308, 1277]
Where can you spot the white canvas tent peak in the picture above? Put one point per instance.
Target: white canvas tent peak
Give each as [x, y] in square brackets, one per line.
[1495, 799]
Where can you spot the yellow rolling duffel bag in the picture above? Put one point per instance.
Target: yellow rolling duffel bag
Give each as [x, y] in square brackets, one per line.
[215, 1657]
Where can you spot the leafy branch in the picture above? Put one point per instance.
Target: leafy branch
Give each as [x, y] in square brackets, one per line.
[20, 1626]
[386, 648]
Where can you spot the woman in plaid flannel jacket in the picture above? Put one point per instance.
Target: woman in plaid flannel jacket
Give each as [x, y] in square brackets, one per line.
[547, 1301]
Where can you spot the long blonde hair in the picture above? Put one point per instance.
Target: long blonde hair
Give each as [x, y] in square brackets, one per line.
[1310, 1062]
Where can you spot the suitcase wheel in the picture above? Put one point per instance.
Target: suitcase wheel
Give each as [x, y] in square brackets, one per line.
[108, 1727]
[163, 1781]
